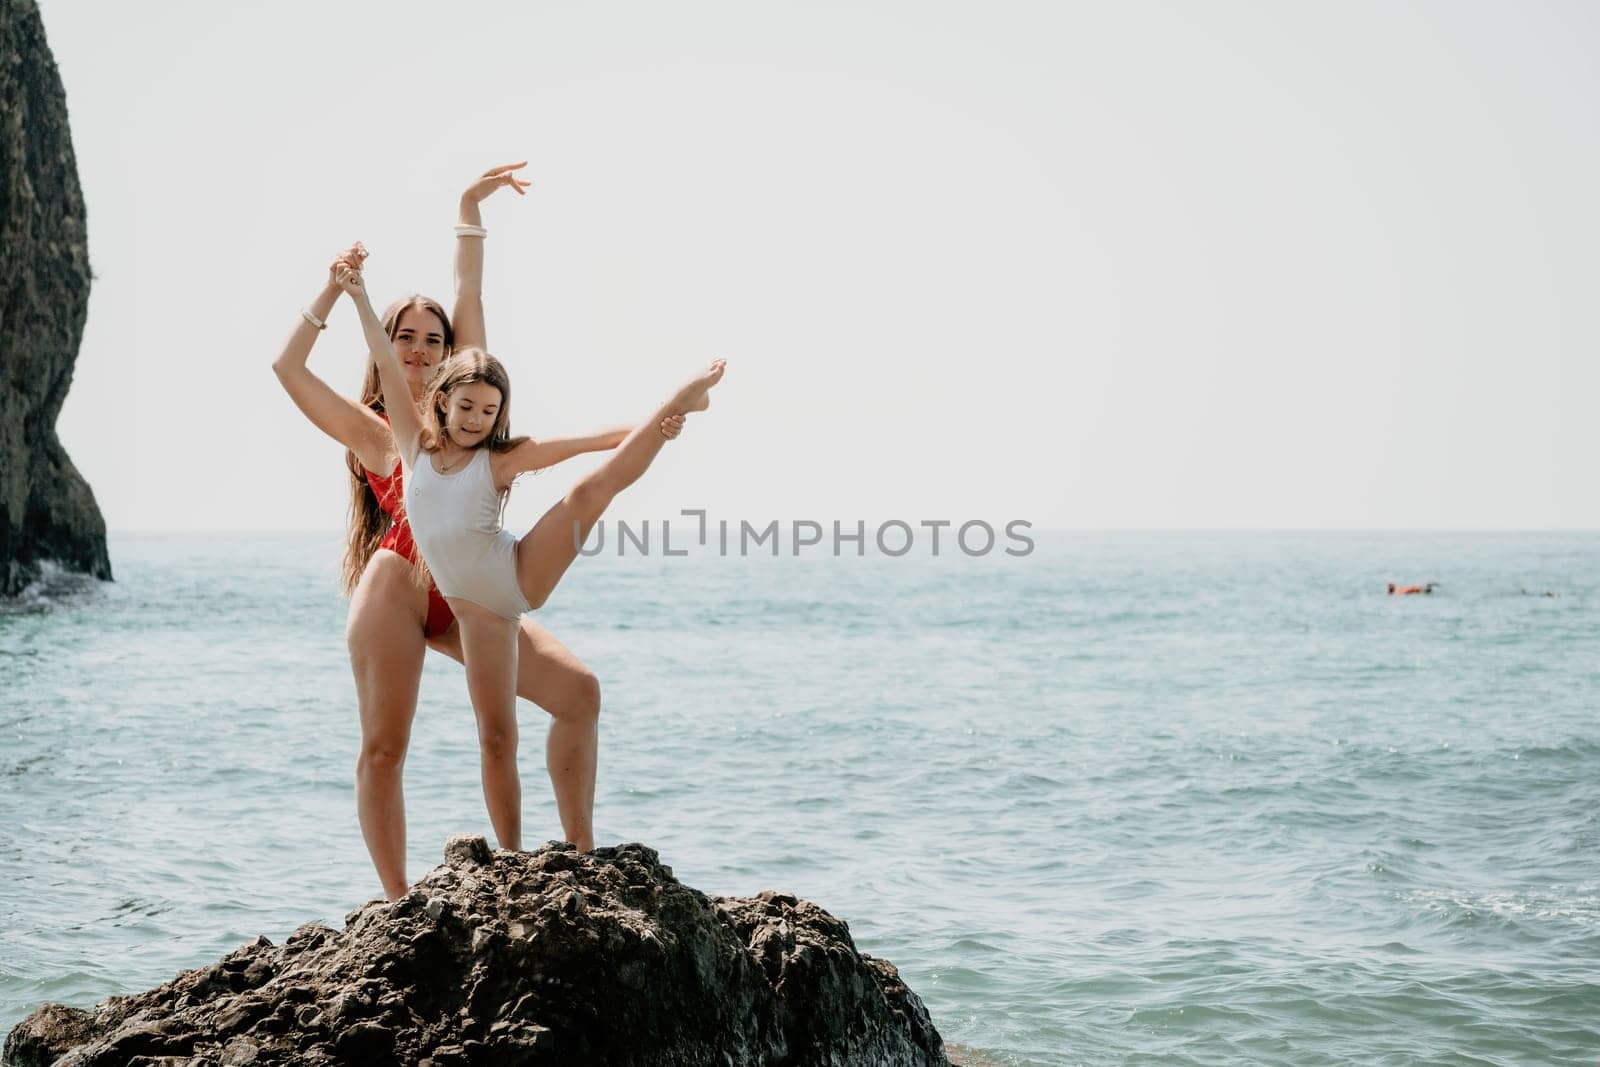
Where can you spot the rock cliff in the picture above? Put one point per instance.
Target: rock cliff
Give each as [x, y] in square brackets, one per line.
[547, 957]
[47, 511]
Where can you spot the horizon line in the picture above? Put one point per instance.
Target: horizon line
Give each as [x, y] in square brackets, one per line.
[1031, 529]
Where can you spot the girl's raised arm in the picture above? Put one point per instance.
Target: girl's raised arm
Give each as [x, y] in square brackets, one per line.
[397, 401]
[531, 455]
[352, 424]
[468, 315]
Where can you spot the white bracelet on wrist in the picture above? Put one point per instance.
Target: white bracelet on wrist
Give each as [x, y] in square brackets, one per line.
[305, 313]
[471, 231]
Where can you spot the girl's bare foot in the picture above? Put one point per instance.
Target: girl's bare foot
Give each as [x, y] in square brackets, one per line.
[696, 396]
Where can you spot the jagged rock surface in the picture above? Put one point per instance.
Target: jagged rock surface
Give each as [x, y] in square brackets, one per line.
[47, 511]
[547, 957]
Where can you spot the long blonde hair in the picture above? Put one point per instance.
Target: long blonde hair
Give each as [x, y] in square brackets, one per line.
[368, 521]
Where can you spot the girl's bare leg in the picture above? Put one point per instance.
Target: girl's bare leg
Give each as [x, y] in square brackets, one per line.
[384, 632]
[489, 652]
[546, 551]
[551, 676]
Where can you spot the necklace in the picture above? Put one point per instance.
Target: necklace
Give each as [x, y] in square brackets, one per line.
[451, 468]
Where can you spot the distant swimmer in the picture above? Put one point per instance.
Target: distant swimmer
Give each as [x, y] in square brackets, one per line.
[1409, 590]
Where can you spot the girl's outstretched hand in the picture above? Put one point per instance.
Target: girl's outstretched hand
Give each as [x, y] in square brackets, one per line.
[671, 426]
[496, 178]
[352, 257]
[347, 278]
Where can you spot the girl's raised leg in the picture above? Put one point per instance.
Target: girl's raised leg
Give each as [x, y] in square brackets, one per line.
[546, 551]
[489, 652]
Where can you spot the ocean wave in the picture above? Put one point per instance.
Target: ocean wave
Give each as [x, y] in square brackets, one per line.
[1575, 905]
[58, 586]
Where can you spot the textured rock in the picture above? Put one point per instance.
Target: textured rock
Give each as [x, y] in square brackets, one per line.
[47, 511]
[547, 957]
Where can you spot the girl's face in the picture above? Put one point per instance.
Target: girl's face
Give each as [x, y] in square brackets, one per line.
[419, 342]
[470, 413]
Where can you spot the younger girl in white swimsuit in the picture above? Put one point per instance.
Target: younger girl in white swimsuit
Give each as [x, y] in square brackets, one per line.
[460, 461]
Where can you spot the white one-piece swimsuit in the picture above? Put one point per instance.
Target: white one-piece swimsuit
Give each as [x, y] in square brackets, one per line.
[455, 519]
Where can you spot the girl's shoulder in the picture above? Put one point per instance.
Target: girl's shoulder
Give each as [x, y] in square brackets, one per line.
[504, 465]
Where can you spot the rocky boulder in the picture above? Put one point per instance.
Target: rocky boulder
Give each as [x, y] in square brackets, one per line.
[547, 957]
[47, 512]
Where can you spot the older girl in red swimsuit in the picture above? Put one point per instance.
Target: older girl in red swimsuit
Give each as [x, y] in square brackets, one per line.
[393, 617]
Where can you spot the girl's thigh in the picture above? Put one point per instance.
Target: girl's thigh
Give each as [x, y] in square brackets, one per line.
[384, 634]
[548, 673]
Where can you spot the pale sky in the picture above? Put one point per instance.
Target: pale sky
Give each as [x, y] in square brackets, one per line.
[1115, 265]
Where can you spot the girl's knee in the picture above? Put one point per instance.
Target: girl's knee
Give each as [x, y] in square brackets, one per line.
[581, 702]
[589, 695]
[382, 755]
[497, 746]
[588, 499]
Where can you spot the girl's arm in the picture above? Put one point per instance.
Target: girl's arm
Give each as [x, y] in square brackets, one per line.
[402, 410]
[531, 455]
[353, 425]
[468, 315]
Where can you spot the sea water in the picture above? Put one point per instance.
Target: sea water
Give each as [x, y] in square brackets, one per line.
[1176, 798]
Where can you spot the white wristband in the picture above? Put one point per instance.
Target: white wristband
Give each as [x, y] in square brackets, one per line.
[471, 231]
[305, 313]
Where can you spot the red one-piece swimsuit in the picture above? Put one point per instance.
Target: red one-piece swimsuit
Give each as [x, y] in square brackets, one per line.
[390, 492]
